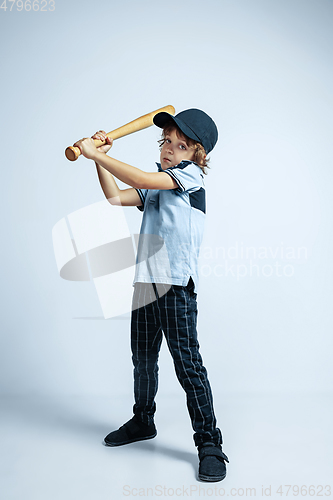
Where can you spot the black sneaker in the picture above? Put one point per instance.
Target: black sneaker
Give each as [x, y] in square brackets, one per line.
[212, 460]
[131, 431]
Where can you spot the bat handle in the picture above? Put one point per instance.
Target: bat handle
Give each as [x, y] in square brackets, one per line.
[72, 153]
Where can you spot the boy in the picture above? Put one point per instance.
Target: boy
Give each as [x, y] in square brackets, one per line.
[166, 277]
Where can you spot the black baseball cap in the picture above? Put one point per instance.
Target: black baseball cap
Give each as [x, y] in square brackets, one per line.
[194, 123]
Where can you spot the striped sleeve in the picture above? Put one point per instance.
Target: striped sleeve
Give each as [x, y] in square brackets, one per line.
[187, 175]
[143, 194]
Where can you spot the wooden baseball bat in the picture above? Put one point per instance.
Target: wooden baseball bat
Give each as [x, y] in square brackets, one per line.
[72, 153]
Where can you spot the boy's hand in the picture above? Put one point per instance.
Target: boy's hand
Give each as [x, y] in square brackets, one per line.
[88, 148]
[101, 135]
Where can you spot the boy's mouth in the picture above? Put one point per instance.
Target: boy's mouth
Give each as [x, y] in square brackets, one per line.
[167, 159]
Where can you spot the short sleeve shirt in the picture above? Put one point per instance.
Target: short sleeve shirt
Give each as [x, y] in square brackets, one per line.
[172, 228]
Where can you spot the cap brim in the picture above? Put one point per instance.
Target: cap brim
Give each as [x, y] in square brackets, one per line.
[161, 119]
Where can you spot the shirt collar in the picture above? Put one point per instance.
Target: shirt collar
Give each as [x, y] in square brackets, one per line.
[184, 162]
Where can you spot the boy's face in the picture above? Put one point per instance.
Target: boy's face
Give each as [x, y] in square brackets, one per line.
[174, 150]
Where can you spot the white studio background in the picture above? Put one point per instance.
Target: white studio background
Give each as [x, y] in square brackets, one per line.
[263, 70]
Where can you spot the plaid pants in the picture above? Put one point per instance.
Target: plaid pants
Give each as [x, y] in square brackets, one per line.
[174, 313]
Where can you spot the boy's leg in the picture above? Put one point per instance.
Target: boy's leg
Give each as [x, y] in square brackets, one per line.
[178, 310]
[146, 339]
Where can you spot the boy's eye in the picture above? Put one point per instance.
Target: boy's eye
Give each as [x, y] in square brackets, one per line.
[182, 146]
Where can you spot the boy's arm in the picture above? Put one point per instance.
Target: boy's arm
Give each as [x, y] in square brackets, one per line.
[134, 176]
[126, 173]
[116, 196]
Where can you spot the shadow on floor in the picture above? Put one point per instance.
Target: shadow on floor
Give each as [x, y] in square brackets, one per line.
[74, 418]
[153, 446]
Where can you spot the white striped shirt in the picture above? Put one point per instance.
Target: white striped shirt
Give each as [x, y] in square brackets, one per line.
[172, 228]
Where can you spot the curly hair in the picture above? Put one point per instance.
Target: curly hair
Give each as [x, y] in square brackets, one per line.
[200, 157]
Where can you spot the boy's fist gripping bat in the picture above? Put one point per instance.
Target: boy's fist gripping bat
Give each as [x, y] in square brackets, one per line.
[72, 153]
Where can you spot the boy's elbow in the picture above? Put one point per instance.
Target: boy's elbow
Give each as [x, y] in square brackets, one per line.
[112, 199]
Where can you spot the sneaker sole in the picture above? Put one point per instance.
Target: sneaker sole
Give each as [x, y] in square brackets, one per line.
[129, 441]
[211, 479]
